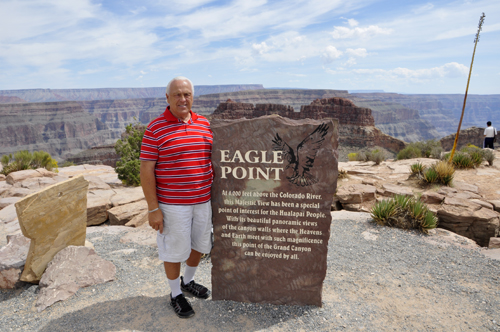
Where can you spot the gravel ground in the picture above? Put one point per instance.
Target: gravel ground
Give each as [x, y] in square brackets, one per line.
[378, 279]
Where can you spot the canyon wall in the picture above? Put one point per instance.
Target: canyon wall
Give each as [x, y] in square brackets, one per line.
[356, 124]
[443, 111]
[46, 95]
[62, 129]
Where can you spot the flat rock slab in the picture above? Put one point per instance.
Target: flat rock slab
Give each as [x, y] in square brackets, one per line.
[494, 243]
[127, 195]
[72, 268]
[98, 204]
[6, 201]
[391, 190]
[356, 193]
[22, 175]
[53, 219]
[466, 186]
[12, 260]
[271, 202]
[122, 214]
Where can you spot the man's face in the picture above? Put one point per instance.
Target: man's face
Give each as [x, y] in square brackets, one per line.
[180, 99]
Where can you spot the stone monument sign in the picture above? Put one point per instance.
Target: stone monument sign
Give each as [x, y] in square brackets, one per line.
[274, 183]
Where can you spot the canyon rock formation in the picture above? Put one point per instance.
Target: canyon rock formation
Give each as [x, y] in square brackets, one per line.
[443, 111]
[59, 128]
[356, 124]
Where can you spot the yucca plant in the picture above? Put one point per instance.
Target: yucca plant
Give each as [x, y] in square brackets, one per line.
[383, 210]
[417, 168]
[462, 160]
[430, 175]
[404, 212]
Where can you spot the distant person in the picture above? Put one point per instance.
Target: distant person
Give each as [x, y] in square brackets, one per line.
[176, 177]
[489, 135]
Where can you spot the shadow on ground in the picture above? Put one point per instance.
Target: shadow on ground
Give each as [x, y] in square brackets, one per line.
[155, 314]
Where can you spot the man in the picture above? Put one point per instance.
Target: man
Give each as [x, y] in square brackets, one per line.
[489, 135]
[176, 177]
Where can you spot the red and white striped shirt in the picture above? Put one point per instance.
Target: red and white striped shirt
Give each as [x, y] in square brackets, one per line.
[182, 152]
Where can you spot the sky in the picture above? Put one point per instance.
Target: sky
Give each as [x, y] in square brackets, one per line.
[395, 46]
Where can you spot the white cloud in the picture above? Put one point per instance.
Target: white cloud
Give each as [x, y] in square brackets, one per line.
[352, 22]
[260, 48]
[330, 54]
[358, 32]
[449, 70]
[359, 52]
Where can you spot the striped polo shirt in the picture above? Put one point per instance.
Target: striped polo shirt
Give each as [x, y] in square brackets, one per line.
[182, 152]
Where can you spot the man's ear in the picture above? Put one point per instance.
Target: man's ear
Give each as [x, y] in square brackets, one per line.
[166, 94]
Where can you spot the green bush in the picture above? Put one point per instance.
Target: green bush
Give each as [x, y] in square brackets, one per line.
[376, 156]
[427, 149]
[462, 160]
[24, 159]
[404, 212]
[352, 156]
[409, 152]
[129, 150]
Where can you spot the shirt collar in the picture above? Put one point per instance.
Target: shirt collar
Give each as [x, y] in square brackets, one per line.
[170, 117]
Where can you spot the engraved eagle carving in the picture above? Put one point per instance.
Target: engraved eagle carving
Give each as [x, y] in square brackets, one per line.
[301, 160]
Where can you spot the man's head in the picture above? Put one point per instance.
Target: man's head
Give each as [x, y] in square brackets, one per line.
[488, 123]
[179, 94]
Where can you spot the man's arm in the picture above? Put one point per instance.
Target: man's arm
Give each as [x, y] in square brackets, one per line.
[148, 183]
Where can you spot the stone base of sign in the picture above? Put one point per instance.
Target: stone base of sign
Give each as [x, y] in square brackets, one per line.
[271, 200]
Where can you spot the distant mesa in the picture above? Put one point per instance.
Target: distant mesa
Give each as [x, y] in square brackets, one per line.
[47, 95]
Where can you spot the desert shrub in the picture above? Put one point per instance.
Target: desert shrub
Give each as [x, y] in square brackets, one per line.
[475, 153]
[352, 156]
[404, 212]
[361, 156]
[430, 175]
[445, 172]
[427, 149]
[376, 156]
[342, 173]
[489, 156]
[436, 152]
[409, 152]
[129, 150]
[462, 160]
[22, 160]
[417, 168]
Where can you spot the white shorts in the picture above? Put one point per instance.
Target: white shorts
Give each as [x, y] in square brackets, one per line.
[185, 227]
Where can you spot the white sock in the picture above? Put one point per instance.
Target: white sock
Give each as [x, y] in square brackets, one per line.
[189, 272]
[175, 286]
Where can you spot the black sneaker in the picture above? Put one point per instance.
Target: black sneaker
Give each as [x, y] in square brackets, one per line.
[195, 289]
[181, 306]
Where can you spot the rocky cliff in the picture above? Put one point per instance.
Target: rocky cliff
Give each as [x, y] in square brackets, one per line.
[444, 111]
[356, 124]
[472, 135]
[62, 128]
[45, 95]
